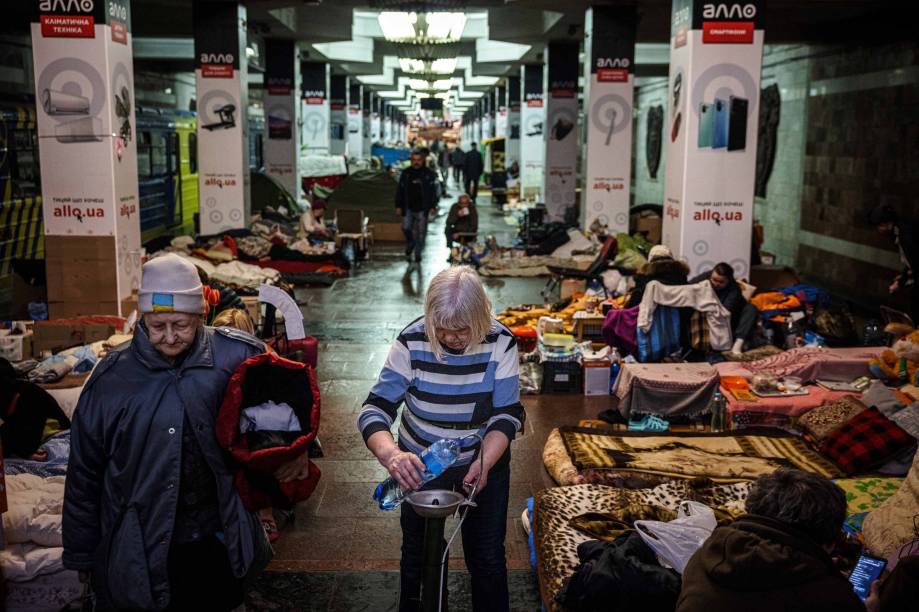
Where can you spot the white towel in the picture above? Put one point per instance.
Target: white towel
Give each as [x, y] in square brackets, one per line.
[701, 297]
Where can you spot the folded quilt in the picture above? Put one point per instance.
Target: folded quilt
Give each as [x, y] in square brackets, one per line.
[700, 296]
[723, 458]
[810, 364]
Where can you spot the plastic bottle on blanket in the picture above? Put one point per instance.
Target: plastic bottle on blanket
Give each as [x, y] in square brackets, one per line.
[437, 458]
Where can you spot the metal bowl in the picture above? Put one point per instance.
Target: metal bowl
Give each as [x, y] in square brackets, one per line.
[435, 503]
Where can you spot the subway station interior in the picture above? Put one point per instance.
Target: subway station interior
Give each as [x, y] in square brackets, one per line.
[486, 305]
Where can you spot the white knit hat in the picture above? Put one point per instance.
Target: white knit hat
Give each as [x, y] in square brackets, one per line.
[659, 251]
[171, 284]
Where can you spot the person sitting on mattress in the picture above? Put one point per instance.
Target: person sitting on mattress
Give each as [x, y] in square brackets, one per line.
[743, 314]
[456, 369]
[151, 517]
[776, 557]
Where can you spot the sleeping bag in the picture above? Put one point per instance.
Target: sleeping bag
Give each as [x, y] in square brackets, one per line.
[269, 416]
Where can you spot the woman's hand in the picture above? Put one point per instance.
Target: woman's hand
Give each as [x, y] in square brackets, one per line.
[298, 469]
[406, 468]
[473, 476]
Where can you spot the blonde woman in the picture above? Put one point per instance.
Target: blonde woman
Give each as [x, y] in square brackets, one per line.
[456, 370]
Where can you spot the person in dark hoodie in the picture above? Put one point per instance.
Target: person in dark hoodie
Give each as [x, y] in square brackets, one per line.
[743, 314]
[776, 556]
[903, 235]
[661, 266]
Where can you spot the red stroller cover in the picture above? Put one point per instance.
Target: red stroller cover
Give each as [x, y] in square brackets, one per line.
[260, 453]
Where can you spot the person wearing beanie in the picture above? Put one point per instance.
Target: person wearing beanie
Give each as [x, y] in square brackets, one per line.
[661, 266]
[151, 518]
[903, 235]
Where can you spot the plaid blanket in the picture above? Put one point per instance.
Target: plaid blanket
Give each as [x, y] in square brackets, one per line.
[723, 458]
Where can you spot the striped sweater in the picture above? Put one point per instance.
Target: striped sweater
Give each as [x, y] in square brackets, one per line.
[478, 388]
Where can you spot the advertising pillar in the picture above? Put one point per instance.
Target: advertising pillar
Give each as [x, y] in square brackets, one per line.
[282, 112]
[84, 92]
[387, 123]
[486, 115]
[316, 104]
[501, 112]
[222, 89]
[609, 45]
[366, 102]
[560, 178]
[376, 121]
[355, 120]
[338, 114]
[512, 153]
[715, 61]
[532, 118]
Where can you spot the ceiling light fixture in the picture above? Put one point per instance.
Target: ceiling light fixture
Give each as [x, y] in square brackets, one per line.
[445, 26]
[397, 25]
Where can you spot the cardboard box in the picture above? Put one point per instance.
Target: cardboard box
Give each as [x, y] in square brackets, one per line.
[16, 347]
[773, 277]
[596, 377]
[387, 232]
[570, 286]
[650, 225]
[82, 271]
[51, 337]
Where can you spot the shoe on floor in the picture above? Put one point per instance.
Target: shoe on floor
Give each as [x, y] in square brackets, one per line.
[649, 423]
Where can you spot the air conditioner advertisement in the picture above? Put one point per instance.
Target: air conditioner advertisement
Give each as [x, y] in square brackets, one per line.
[561, 135]
[282, 114]
[84, 90]
[221, 84]
[532, 139]
[609, 74]
[315, 108]
[338, 114]
[710, 131]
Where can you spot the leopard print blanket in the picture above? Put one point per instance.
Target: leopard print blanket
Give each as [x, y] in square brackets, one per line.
[557, 541]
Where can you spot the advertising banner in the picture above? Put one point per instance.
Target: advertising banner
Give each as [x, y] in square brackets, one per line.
[486, 101]
[501, 112]
[532, 139]
[338, 114]
[609, 80]
[711, 130]
[560, 178]
[366, 103]
[512, 148]
[355, 120]
[376, 121]
[316, 107]
[387, 123]
[282, 114]
[84, 91]
[221, 83]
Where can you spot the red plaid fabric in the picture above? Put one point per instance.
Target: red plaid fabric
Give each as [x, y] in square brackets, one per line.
[867, 441]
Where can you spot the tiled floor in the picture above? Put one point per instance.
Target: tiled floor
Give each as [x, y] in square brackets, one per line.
[341, 548]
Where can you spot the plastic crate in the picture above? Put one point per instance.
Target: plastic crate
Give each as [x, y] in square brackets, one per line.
[562, 377]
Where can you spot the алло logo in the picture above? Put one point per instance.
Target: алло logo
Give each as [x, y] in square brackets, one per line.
[66, 6]
[608, 62]
[216, 65]
[729, 11]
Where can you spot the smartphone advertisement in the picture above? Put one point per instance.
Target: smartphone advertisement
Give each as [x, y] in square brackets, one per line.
[609, 77]
[532, 140]
[355, 121]
[221, 83]
[84, 92]
[710, 130]
[561, 137]
[338, 114]
[315, 102]
[512, 147]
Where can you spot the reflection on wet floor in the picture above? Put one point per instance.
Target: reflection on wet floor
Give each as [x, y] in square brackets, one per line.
[349, 548]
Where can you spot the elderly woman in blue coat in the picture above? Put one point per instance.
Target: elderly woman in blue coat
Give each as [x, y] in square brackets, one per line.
[151, 516]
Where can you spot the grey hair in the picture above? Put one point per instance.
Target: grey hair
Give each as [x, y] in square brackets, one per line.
[456, 299]
[809, 502]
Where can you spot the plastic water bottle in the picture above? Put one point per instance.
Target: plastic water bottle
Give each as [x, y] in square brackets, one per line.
[717, 409]
[614, 368]
[437, 458]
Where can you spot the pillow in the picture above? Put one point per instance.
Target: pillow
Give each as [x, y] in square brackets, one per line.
[823, 420]
[877, 394]
[868, 440]
[908, 419]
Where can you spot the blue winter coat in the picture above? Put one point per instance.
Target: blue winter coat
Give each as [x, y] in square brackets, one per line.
[123, 477]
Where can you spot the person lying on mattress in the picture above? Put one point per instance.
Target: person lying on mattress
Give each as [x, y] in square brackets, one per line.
[776, 557]
[456, 369]
[151, 516]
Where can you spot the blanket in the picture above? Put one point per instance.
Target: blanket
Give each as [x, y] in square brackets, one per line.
[32, 526]
[662, 339]
[58, 449]
[808, 364]
[787, 406]
[619, 329]
[556, 540]
[665, 389]
[530, 266]
[721, 457]
[45, 592]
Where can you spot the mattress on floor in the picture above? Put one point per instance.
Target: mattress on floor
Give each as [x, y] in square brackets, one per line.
[720, 456]
[788, 406]
[665, 389]
[808, 364]
[556, 540]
